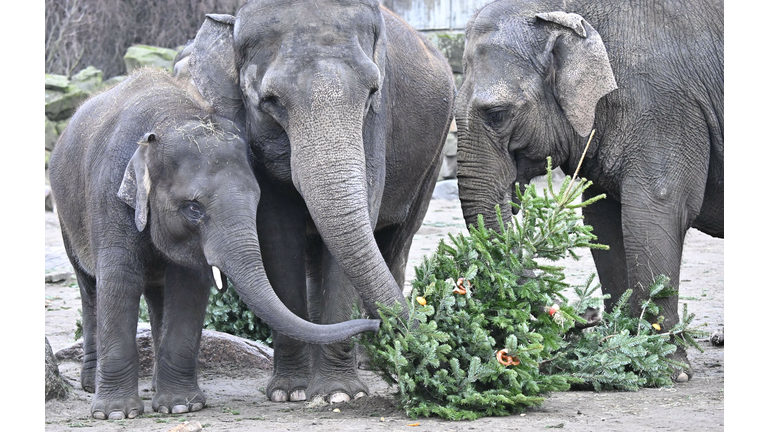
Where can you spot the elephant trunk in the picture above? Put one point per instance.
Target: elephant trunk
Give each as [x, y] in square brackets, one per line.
[484, 181]
[328, 166]
[242, 264]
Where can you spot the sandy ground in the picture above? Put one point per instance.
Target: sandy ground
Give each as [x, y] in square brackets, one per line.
[236, 400]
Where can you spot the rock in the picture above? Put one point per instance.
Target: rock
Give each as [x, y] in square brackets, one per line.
[48, 199]
[718, 338]
[88, 80]
[193, 426]
[446, 189]
[448, 170]
[60, 126]
[56, 387]
[451, 44]
[61, 105]
[58, 83]
[115, 80]
[51, 134]
[144, 55]
[217, 350]
[59, 276]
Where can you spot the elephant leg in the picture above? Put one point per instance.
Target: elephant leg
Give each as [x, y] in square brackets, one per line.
[281, 228]
[117, 373]
[653, 240]
[185, 301]
[335, 375]
[87, 286]
[154, 294]
[605, 217]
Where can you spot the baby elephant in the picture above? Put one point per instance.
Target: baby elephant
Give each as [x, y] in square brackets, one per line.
[155, 194]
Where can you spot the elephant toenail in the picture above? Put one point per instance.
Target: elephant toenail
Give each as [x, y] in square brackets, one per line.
[98, 415]
[278, 396]
[162, 409]
[116, 415]
[360, 395]
[298, 395]
[133, 414]
[179, 409]
[338, 397]
[197, 406]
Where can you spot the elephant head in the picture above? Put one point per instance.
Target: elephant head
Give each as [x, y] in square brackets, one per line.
[191, 184]
[311, 89]
[532, 83]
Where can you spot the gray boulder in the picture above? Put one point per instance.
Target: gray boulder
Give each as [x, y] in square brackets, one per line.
[139, 56]
[58, 83]
[446, 190]
[88, 80]
[51, 135]
[60, 105]
[218, 351]
[56, 387]
[449, 167]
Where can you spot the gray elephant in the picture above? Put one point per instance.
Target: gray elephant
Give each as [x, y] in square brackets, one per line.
[347, 110]
[648, 77]
[156, 196]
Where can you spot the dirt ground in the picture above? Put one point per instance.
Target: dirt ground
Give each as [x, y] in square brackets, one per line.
[236, 401]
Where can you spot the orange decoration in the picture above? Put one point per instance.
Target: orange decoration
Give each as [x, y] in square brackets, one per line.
[553, 310]
[462, 286]
[421, 300]
[506, 359]
[656, 326]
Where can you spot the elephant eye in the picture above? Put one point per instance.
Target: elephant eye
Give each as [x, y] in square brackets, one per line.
[495, 117]
[193, 211]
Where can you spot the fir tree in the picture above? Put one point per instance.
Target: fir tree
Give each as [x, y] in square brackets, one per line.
[491, 331]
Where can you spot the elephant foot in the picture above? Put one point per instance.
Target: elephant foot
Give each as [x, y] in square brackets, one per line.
[685, 374]
[339, 397]
[295, 395]
[178, 402]
[334, 389]
[284, 389]
[88, 379]
[117, 409]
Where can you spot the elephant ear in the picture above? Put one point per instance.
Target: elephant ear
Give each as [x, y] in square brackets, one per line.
[582, 72]
[134, 189]
[212, 66]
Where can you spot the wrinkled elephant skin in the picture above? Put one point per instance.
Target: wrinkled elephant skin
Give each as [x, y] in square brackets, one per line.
[155, 193]
[647, 76]
[347, 109]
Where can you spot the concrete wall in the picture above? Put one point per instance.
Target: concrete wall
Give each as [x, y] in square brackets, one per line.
[432, 15]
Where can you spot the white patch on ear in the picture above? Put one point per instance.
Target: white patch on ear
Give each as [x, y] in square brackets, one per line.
[147, 181]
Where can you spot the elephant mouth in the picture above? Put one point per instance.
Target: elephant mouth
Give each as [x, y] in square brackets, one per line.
[511, 195]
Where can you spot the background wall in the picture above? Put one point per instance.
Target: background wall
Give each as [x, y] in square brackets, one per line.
[433, 15]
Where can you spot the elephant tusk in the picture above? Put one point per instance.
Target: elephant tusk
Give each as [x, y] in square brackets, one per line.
[217, 278]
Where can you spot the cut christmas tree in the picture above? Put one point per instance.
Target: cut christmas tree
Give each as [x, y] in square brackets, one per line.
[492, 330]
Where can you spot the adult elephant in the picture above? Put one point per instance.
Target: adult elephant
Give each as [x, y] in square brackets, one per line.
[347, 110]
[648, 77]
[155, 194]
